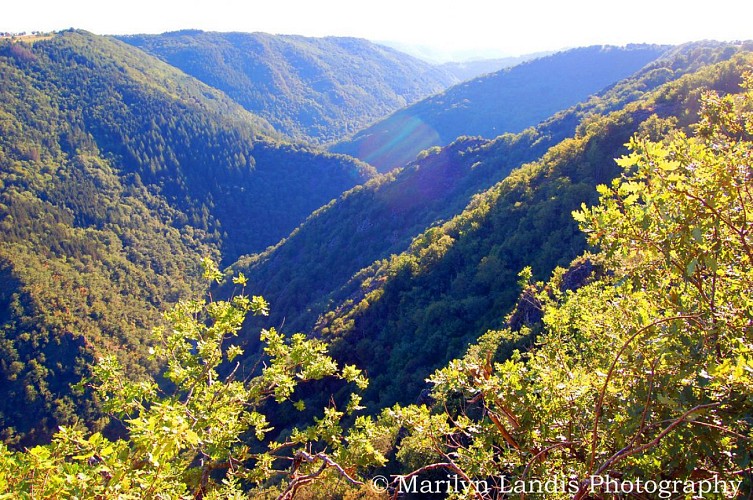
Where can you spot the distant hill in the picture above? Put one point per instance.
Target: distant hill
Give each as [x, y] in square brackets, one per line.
[506, 101]
[465, 64]
[468, 70]
[118, 173]
[313, 89]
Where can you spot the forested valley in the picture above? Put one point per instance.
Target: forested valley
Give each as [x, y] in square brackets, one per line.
[198, 300]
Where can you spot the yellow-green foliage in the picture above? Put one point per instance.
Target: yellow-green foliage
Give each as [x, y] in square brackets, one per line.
[195, 440]
[645, 373]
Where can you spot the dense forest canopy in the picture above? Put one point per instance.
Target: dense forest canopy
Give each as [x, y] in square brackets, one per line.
[118, 173]
[570, 303]
[313, 89]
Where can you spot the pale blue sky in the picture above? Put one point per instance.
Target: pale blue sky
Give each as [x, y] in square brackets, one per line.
[502, 27]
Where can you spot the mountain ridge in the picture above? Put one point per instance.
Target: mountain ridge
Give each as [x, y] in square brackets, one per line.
[312, 89]
[396, 204]
[461, 277]
[509, 100]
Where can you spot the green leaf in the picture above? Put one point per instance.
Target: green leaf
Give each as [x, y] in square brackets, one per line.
[240, 279]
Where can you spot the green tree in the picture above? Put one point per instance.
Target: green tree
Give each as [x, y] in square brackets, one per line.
[643, 374]
[193, 441]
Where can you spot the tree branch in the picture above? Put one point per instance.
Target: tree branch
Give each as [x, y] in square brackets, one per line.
[440, 465]
[600, 403]
[628, 451]
[298, 481]
[536, 457]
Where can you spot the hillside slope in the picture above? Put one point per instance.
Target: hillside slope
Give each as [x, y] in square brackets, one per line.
[302, 274]
[117, 174]
[313, 89]
[413, 312]
[506, 101]
[459, 278]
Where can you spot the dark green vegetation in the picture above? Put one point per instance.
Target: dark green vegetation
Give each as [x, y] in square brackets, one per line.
[506, 101]
[118, 172]
[314, 89]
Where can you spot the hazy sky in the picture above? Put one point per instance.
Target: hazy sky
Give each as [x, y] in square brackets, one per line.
[503, 26]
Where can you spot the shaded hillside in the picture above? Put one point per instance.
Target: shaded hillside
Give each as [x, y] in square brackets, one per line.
[506, 101]
[413, 312]
[314, 89]
[305, 275]
[117, 173]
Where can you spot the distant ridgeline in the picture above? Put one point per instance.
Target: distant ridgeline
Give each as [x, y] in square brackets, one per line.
[118, 173]
[313, 89]
[509, 100]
